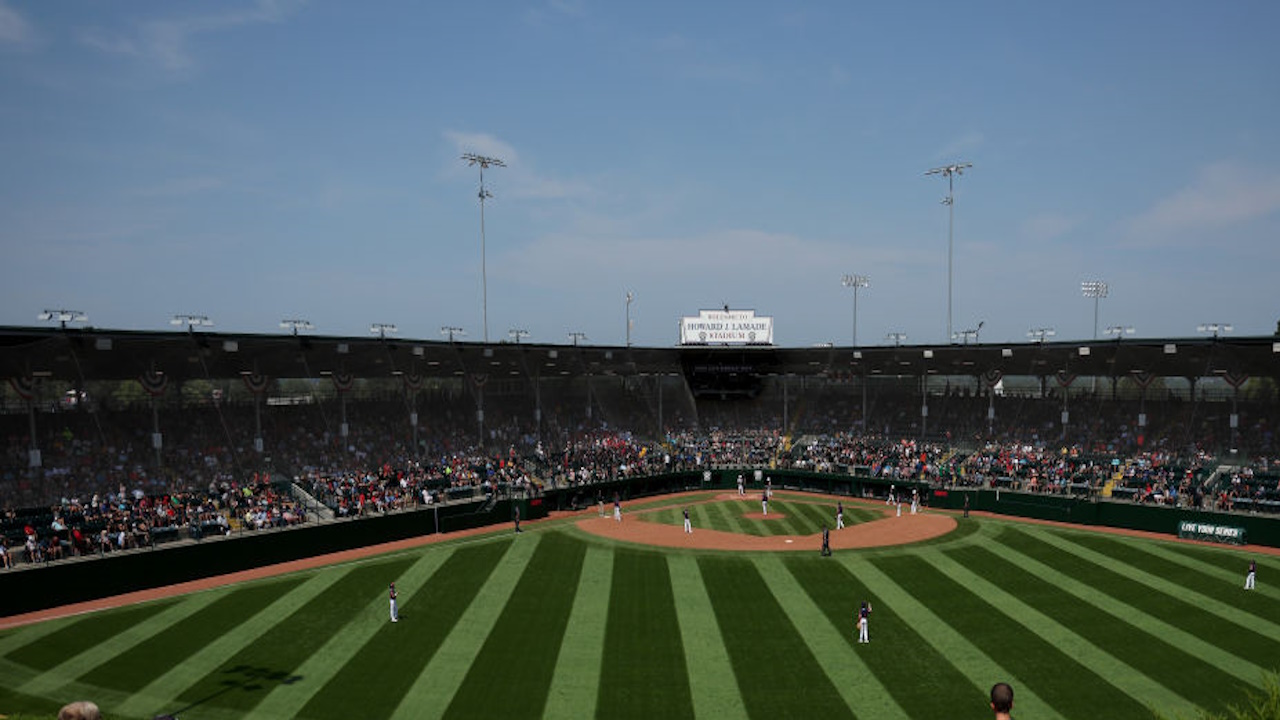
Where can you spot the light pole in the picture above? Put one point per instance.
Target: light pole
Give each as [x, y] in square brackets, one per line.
[574, 337]
[1215, 328]
[483, 162]
[382, 329]
[63, 316]
[855, 282]
[1039, 334]
[965, 335]
[516, 333]
[1096, 289]
[296, 324]
[630, 297]
[1119, 330]
[191, 321]
[450, 331]
[896, 338]
[949, 172]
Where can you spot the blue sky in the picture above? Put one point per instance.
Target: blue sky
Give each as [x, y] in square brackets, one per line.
[254, 161]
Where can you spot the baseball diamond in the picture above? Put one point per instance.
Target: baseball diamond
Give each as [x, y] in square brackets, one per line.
[566, 621]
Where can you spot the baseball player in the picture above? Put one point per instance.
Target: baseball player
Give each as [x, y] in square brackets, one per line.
[826, 541]
[863, 617]
[395, 614]
[893, 496]
[742, 492]
[617, 508]
[915, 500]
[764, 501]
[688, 526]
[839, 516]
[966, 504]
[1252, 577]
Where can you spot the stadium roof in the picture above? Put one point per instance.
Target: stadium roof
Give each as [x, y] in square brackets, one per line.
[72, 354]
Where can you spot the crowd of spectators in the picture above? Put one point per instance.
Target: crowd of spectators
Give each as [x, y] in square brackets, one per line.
[104, 487]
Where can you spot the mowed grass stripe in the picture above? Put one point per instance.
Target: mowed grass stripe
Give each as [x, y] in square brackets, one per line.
[1044, 610]
[1055, 676]
[1220, 663]
[731, 514]
[700, 516]
[272, 657]
[711, 679]
[348, 641]
[1227, 567]
[388, 663]
[163, 690]
[817, 597]
[1201, 616]
[576, 682]
[434, 686]
[766, 651]
[1230, 595]
[981, 670]
[128, 667]
[49, 651]
[524, 642]
[642, 672]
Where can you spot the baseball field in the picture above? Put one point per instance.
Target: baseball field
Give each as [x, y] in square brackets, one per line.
[563, 622]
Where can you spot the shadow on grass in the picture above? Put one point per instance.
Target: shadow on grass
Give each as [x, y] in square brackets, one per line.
[244, 678]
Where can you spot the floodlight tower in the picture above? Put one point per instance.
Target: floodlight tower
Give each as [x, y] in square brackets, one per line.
[383, 329]
[855, 282]
[1039, 334]
[516, 333]
[950, 172]
[630, 298]
[483, 162]
[1120, 331]
[63, 316]
[1215, 328]
[575, 337]
[1096, 289]
[896, 338]
[451, 331]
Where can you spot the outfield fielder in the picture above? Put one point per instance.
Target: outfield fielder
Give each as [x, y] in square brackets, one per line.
[1252, 577]
[863, 617]
[688, 526]
[839, 515]
[395, 615]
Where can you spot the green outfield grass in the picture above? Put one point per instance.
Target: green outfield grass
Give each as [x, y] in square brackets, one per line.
[556, 623]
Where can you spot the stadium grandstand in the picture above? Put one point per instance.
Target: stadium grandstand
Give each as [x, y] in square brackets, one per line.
[118, 439]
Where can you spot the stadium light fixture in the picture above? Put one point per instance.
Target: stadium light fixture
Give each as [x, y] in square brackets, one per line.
[896, 338]
[950, 172]
[630, 299]
[856, 282]
[1039, 334]
[516, 333]
[63, 316]
[1096, 289]
[1215, 328]
[575, 337]
[965, 335]
[383, 329]
[483, 162]
[296, 324]
[191, 321]
[1119, 331]
[451, 331]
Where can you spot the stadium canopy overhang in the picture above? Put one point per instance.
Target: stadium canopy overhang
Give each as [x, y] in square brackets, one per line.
[82, 354]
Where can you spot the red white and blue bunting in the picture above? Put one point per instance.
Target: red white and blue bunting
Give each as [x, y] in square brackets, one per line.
[154, 382]
[24, 386]
[993, 377]
[343, 382]
[256, 382]
[1064, 378]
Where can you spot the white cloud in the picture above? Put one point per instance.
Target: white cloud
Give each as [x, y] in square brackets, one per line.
[967, 142]
[1223, 195]
[167, 42]
[1047, 226]
[15, 31]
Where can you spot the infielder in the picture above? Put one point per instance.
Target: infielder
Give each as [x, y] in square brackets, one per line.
[863, 616]
[1252, 577]
[764, 502]
[688, 526]
[742, 492]
[617, 509]
[395, 615]
[839, 515]
[915, 500]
